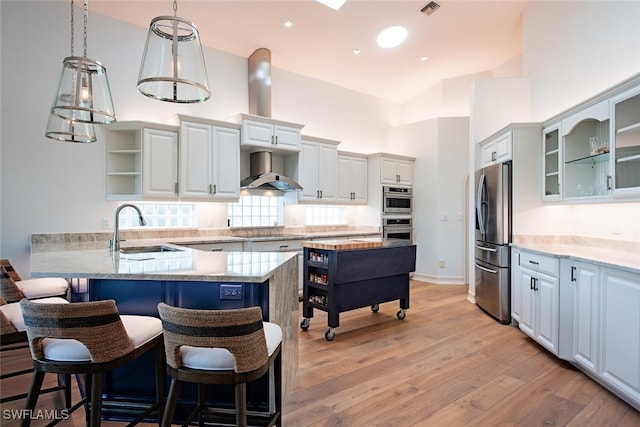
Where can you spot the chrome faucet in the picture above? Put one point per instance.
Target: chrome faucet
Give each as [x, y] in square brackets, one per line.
[114, 244]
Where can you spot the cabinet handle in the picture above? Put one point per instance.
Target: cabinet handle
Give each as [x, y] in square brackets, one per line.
[317, 194]
[176, 188]
[276, 139]
[493, 156]
[573, 272]
[273, 139]
[609, 182]
[210, 189]
[534, 262]
[321, 194]
[216, 249]
[532, 284]
[215, 188]
[284, 246]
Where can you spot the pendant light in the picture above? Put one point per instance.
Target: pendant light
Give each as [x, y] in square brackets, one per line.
[173, 67]
[83, 95]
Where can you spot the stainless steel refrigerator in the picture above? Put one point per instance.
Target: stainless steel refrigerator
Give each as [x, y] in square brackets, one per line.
[492, 238]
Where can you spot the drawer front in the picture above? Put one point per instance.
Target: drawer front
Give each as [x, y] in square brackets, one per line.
[542, 263]
[276, 246]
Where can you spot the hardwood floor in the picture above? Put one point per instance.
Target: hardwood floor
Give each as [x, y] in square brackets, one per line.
[446, 364]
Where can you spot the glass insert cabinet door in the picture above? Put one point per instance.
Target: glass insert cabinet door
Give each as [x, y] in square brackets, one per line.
[586, 152]
[625, 110]
[552, 171]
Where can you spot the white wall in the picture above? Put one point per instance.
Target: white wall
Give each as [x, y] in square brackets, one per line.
[440, 148]
[55, 187]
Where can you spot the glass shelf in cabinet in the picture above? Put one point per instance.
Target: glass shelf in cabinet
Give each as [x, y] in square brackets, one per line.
[596, 158]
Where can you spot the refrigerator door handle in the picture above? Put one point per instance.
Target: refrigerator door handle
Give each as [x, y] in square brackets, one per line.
[488, 270]
[484, 248]
[480, 204]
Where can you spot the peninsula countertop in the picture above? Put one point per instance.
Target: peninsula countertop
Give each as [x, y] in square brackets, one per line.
[179, 264]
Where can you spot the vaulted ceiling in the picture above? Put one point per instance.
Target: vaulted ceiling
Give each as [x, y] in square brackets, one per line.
[460, 37]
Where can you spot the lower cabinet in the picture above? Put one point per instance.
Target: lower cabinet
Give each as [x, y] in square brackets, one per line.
[600, 325]
[620, 332]
[538, 308]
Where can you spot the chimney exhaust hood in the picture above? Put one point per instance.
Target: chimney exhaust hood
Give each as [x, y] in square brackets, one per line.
[261, 174]
[261, 177]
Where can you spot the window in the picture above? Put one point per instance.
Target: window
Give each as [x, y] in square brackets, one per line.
[326, 215]
[256, 211]
[159, 215]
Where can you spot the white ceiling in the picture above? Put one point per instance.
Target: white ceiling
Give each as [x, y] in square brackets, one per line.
[460, 38]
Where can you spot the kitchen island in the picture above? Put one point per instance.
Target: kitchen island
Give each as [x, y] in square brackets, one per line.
[140, 277]
[342, 275]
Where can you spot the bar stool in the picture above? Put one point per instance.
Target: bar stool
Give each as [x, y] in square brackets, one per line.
[13, 288]
[220, 347]
[88, 338]
[13, 337]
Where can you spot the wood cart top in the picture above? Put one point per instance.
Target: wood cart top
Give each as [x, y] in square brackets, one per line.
[342, 244]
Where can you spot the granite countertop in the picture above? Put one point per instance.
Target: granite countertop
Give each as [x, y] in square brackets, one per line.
[184, 264]
[611, 253]
[85, 255]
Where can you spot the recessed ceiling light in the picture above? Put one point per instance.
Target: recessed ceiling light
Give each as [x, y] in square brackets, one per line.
[288, 23]
[333, 4]
[391, 37]
[356, 51]
[424, 58]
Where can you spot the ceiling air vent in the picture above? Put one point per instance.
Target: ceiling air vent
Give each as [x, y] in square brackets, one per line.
[430, 8]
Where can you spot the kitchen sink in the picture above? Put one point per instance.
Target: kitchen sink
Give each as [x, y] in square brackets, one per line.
[148, 249]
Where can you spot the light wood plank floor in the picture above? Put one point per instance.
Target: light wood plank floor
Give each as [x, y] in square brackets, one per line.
[446, 364]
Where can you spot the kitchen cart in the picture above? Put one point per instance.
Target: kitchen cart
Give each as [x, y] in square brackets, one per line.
[342, 275]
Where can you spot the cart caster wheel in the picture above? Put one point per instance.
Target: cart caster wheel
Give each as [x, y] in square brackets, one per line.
[401, 314]
[375, 308]
[304, 325]
[330, 334]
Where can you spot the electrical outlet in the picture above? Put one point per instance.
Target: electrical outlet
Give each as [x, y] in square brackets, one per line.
[441, 263]
[106, 223]
[230, 292]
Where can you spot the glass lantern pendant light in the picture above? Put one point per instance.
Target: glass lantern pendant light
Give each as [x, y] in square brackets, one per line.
[83, 96]
[173, 67]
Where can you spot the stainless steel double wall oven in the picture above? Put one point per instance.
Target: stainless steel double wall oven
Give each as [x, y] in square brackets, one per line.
[397, 211]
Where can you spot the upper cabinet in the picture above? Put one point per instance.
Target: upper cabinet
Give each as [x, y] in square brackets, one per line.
[586, 152]
[496, 150]
[318, 169]
[391, 168]
[209, 160]
[142, 161]
[551, 163]
[265, 133]
[352, 178]
[625, 137]
[591, 153]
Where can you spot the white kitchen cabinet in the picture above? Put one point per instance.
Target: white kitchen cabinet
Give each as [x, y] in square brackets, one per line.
[537, 278]
[142, 161]
[580, 308]
[318, 169]
[620, 332]
[266, 133]
[625, 146]
[209, 160]
[586, 166]
[387, 168]
[551, 163]
[216, 246]
[516, 287]
[352, 179]
[496, 150]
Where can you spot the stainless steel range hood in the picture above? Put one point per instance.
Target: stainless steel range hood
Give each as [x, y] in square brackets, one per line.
[261, 174]
[263, 178]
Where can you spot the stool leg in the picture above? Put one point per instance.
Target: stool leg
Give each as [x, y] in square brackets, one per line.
[200, 405]
[160, 363]
[169, 410]
[96, 400]
[32, 398]
[277, 373]
[241, 405]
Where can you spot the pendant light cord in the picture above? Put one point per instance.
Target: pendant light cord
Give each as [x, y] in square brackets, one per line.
[175, 8]
[86, 19]
[72, 25]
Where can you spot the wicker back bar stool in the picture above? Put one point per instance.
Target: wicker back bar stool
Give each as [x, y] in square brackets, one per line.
[89, 338]
[12, 333]
[220, 347]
